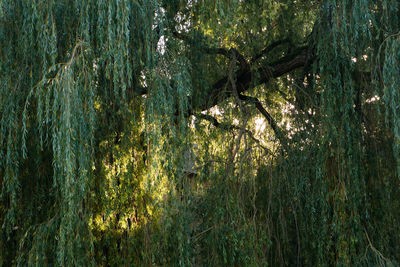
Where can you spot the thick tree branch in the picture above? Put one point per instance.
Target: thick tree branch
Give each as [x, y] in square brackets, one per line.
[222, 89]
[244, 79]
[278, 131]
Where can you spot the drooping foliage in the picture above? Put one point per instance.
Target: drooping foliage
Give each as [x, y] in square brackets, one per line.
[205, 133]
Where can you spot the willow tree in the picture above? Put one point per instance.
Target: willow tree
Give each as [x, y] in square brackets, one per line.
[209, 132]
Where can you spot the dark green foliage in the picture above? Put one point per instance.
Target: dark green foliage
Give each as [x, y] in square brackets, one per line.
[199, 133]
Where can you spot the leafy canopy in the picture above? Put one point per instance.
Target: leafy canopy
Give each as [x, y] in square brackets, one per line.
[204, 132]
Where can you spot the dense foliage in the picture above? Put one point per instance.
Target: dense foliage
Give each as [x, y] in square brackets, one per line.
[200, 132]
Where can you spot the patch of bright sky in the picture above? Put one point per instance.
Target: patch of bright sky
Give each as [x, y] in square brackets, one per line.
[364, 57]
[260, 125]
[373, 99]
